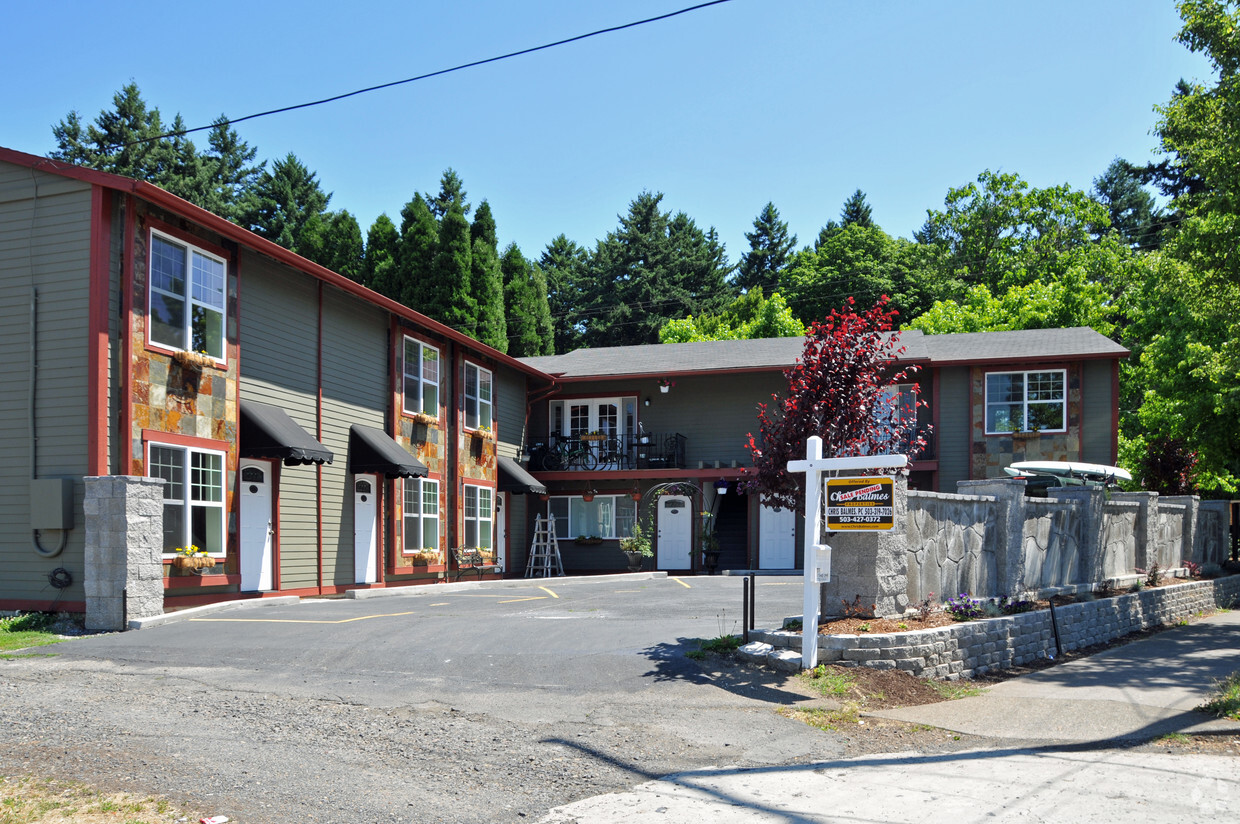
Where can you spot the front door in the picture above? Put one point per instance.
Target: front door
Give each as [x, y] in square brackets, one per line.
[501, 530]
[675, 533]
[365, 513]
[777, 539]
[256, 526]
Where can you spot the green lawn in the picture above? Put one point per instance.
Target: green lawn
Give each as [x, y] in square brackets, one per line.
[25, 631]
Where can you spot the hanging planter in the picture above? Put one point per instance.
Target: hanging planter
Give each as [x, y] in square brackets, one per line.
[665, 385]
[721, 487]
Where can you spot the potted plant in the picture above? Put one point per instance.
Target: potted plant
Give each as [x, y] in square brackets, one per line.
[666, 385]
[192, 558]
[589, 540]
[636, 548]
[708, 543]
[193, 360]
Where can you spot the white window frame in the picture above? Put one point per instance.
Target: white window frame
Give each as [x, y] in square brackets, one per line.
[415, 518]
[484, 524]
[187, 297]
[479, 411]
[418, 375]
[626, 417]
[1025, 402]
[566, 510]
[188, 488]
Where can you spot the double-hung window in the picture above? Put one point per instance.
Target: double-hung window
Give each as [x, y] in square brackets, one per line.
[478, 397]
[186, 297]
[420, 367]
[421, 515]
[479, 516]
[1026, 401]
[193, 496]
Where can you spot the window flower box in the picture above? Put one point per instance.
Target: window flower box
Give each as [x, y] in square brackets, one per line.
[193, 360]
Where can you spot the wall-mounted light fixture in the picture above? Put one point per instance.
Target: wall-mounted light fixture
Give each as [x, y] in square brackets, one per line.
[647, 401]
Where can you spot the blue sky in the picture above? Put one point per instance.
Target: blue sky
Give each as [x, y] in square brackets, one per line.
[799, 102]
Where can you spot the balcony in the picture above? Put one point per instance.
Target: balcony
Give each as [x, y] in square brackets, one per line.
[645, 450]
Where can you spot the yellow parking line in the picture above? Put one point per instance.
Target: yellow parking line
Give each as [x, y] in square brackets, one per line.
[443, 604]
[294, 621]
[682, 583]
[549, 592]
[531, 598]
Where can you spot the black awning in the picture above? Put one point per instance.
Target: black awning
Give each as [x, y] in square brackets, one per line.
[268, 432]
[512, 478]
[374, 452]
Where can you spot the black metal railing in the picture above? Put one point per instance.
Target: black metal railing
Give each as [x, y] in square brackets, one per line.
[645, 450]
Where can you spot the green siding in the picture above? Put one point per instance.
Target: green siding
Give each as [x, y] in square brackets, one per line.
[1097, 431]
[955, 426]
[44, 243]
[510, 408]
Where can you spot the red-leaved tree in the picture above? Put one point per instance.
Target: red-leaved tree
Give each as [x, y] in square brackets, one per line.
[839, 391]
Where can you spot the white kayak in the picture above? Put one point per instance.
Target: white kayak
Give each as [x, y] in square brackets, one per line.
[1068, 469]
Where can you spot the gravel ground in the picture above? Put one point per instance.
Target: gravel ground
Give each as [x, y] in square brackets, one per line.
[274, 758]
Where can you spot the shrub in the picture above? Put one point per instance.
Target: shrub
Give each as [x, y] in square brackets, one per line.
[926, 607]
[1015, 606]
[963, 608]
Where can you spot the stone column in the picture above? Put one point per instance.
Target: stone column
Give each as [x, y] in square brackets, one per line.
[1146, 533]
[124, 544]
[1010, 526]
[1091, 499]
[1192, 548]
[873, 565]
[1212, 527]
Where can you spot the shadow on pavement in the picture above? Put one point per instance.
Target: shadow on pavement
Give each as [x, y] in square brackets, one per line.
[671, 663]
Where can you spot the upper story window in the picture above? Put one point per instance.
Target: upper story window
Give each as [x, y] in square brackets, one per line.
[421, 378]
[479, 408]
[1026, 401]
[186, 297]
[193, 496]
[613, 417]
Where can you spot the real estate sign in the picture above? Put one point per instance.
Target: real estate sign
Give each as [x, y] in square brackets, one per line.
[860, 504]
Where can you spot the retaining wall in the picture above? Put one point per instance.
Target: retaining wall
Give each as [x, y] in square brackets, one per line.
[975, 647]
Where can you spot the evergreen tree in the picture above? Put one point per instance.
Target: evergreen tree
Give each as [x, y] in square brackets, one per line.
[1134, 215]
[542, 311]
[487, 281]
[856, 211]
[412, 281]
[827, 232]
[528, 316]
[451, 190]
[770, 246]
[452, 299]
[334, 240]
[227, 172]
[283, 202]
[564, 265]
[379, 272]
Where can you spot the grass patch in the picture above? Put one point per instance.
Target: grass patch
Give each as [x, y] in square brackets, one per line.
[721, 645]
[1226, 700]
[1174, 738]
[823, 719]
[951, 690]
[34, 629]
[28, 800]
[828, 682]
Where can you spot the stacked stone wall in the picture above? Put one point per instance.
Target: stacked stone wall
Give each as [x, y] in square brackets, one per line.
[124, 577]
[976, 647]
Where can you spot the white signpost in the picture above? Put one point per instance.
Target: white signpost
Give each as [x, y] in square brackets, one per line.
[818, 556]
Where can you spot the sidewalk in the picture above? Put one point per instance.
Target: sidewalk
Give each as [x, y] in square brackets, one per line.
[1134, 692]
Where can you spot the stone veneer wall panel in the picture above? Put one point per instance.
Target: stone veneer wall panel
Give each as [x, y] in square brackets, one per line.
[949, 550]
[1052, 555]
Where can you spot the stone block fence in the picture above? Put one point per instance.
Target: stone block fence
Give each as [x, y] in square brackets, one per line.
[975, 647]
[989, 540]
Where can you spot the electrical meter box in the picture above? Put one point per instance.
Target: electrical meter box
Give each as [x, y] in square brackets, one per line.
[51, 503]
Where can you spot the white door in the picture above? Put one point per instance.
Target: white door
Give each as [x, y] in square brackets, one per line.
[777, 539]
[675, 533]
[365, 513]
[256, 526]
[501, 530]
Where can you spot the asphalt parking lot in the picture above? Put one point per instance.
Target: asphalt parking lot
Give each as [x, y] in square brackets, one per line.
[463, 643]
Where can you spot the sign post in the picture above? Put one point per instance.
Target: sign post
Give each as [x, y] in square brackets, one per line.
[853, 504]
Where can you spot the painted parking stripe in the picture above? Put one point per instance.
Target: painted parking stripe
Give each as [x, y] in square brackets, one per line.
[549, 592]
[677, 580]
[294, 620]
[531, 598]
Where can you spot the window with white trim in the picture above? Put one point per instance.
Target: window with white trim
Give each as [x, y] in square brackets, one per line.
[479, 409]
[1026, 401]
[479, 516]
[421, 515]
[185, 297]
[606, 516]
[193, 496]
[420, 369]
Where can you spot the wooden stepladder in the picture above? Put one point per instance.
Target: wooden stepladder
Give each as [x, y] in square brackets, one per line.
[544, 551]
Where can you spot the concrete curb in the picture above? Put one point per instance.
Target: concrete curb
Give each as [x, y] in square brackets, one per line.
[194, 612]
[500, 583]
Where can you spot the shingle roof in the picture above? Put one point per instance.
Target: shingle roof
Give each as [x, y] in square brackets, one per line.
[780, 353]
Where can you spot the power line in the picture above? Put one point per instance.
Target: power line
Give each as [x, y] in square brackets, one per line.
[428, 75]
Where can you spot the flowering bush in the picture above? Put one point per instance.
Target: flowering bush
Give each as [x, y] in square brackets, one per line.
[964, 608]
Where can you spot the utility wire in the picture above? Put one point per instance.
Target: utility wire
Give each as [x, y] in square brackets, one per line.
[531, 50]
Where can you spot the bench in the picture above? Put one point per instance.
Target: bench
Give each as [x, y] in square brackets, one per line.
[470, 559]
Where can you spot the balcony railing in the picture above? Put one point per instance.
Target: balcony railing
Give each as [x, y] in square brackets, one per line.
[646, 450]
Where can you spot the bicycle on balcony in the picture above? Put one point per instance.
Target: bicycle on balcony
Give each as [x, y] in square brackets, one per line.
[568, 454]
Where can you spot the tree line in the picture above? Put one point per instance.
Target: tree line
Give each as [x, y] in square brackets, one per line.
[1164, 281]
